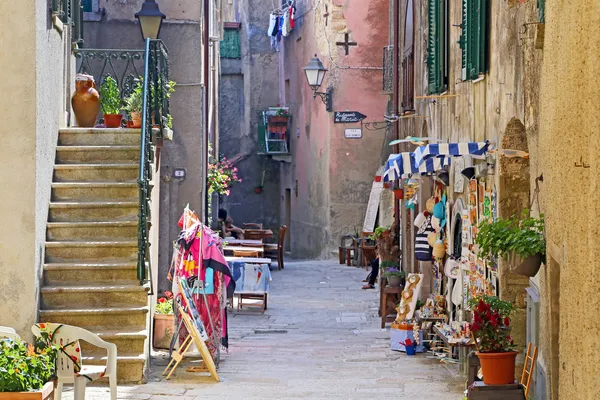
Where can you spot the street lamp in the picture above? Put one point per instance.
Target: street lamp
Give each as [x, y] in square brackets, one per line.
[315, 73]
[150, 19]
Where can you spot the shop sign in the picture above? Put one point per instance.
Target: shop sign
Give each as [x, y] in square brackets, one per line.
[347, 117]
[353, 133]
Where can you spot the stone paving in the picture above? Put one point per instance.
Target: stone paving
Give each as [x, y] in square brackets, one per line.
[319, 339]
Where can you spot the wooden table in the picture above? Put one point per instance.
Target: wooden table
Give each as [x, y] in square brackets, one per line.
[243, 242]
[463, 349]
[262, 233]
[244, 248]
[249, 260]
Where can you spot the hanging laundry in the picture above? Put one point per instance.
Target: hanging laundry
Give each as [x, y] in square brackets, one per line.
[292, 15]
[287, 29]
[273, 25]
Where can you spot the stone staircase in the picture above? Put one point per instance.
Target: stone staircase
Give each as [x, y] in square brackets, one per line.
[90, 275]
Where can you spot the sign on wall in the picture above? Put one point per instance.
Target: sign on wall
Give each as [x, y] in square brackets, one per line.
[373, 207]
[347, 117]
[353, 133]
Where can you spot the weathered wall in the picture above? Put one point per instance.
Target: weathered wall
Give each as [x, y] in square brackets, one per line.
[570, 137]
[32, 58]
[248, 86]
[181, 32]
[333, 175]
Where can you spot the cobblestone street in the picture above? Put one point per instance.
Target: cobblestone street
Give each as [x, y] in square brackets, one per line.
[319, 339]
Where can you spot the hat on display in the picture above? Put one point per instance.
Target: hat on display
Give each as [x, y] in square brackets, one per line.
[435, 224]
[430, 204]
[420, 220]
[439, 249]
[431, 238]
[468, 173]
[444, 177]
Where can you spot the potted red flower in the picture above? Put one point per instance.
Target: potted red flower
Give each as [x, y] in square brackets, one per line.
[491, 329]
[164, 322]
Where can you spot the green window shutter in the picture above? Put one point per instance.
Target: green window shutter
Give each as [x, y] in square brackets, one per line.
[541, 4]
[87, 6]
[436, 46]
[473, 38]
[230, 45]
[262, 133]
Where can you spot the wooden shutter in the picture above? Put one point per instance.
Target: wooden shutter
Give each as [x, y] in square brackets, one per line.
[408, 70]
[473, 38]
[230, 45]
[436, 47]
[541, 4]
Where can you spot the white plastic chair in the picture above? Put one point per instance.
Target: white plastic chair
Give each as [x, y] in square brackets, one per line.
[8, 333]
[68, 338]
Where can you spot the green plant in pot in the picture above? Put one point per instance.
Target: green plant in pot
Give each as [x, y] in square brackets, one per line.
[110, 100]
[491, 330]
[26, 370]
[380, 232]
[134, 104]
[394, 276]
[164, 322]
[521, 240]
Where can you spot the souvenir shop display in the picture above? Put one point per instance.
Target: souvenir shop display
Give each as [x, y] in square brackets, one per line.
[198, 265]
[409, 297]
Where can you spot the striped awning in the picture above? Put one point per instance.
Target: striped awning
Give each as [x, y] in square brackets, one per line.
[425, 153]
[403, 166]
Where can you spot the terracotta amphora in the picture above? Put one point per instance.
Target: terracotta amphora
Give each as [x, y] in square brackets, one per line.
[85, 101]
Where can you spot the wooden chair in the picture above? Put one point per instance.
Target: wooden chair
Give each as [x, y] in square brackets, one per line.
[277, 249]
[347, 251]
[528, 369]
[252, 296]
[253, 225]
[245, 253]
[8, 333]
[253, 234]
[369, 251]
[389, 297]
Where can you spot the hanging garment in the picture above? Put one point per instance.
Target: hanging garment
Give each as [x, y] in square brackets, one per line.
[287, 28]
[423, 251]
[292, 16]
[272, 24]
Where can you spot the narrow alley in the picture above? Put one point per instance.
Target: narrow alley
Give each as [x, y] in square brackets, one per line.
[319, 339]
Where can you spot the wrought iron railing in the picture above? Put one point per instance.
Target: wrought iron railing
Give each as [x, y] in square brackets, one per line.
[388, 69]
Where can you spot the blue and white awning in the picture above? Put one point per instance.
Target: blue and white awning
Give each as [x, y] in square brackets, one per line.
[425, 153]
[403, 166]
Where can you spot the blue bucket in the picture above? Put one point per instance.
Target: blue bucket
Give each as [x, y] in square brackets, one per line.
[410, 350]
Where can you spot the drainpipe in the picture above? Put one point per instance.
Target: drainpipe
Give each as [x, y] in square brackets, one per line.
[205, 61]
[395, 99]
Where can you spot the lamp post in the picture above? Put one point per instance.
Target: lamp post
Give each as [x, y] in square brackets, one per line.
[150, 19]
[315, 73]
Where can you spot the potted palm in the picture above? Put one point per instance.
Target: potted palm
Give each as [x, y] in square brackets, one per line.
[133, 105]
[110, 100]
[491, 330]
[164, 322]
[521, 241]
[27, 372]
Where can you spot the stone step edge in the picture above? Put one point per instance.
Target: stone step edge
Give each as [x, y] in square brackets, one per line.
[127, 359]
[69, 185]
[92, 243]
[94, 166]
[90, 224]
[129, 131]
[129, 288]
[79, 147]
[93, 204]
[84, 266]
[96, 311]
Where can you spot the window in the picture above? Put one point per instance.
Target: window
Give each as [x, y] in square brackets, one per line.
[437, 47]
[70, 12]
[230, 45]
[473, 38]
[541, 4]
[408, 63]
[87, 5]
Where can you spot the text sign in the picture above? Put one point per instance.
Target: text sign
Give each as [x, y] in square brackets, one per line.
[373, 207]
[353, 133]
[347, 117]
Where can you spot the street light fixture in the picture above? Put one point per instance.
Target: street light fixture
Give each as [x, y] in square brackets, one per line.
[315, 73]
[150, 19]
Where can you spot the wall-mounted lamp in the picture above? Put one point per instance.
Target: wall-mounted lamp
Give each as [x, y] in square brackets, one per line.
[150, 19]
[315, 73]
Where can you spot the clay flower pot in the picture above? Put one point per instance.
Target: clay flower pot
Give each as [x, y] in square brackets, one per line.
[398, 193]
[112, 120]
[164, 327]
[526, 267]
[258, 190]
[498, 368]
[136, 120]
[85, 101]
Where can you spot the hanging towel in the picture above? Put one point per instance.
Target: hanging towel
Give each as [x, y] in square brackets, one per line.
[287, 28]
[292, 16]
[273, 24]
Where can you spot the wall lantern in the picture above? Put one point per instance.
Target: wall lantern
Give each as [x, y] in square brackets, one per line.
[315, 73]
[150, 19]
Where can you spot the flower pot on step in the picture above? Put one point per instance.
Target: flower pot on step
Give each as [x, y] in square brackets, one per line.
[136, 120]
[498, 368]
[112, 120]
[527, 267]
[85, 101]
[45, 393]
[394, 281]
[164, 327]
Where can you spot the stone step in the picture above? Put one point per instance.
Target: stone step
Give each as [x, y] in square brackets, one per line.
[131, 367]
[95, 191]
[107, 317]
[110, 251]
[99, 273]
[93, 295]
[106, 172]
[94, 230]
[99, 136]
[129, 340]
[96, 154]
[93, 211]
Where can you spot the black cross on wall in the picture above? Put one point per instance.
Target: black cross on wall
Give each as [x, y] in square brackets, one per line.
[326, 15]
[346, 43]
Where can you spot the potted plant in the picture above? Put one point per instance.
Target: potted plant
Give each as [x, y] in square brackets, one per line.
[394, 276]
[164, 322]
[26, 371]
[381, 232]
[134, 103]
[258, 189]
[491, 331]
[398, 192]
[280, 118]
[522, 241]
[221, 177]
[110, 100]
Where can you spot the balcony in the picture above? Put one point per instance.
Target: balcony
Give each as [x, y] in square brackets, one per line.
[388, 69]
[273, 131]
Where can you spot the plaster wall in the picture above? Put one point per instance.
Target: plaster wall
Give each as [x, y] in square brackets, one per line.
[570, 137]
[333, 174]
[35, 59]
[183, 40]
[248, 86]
